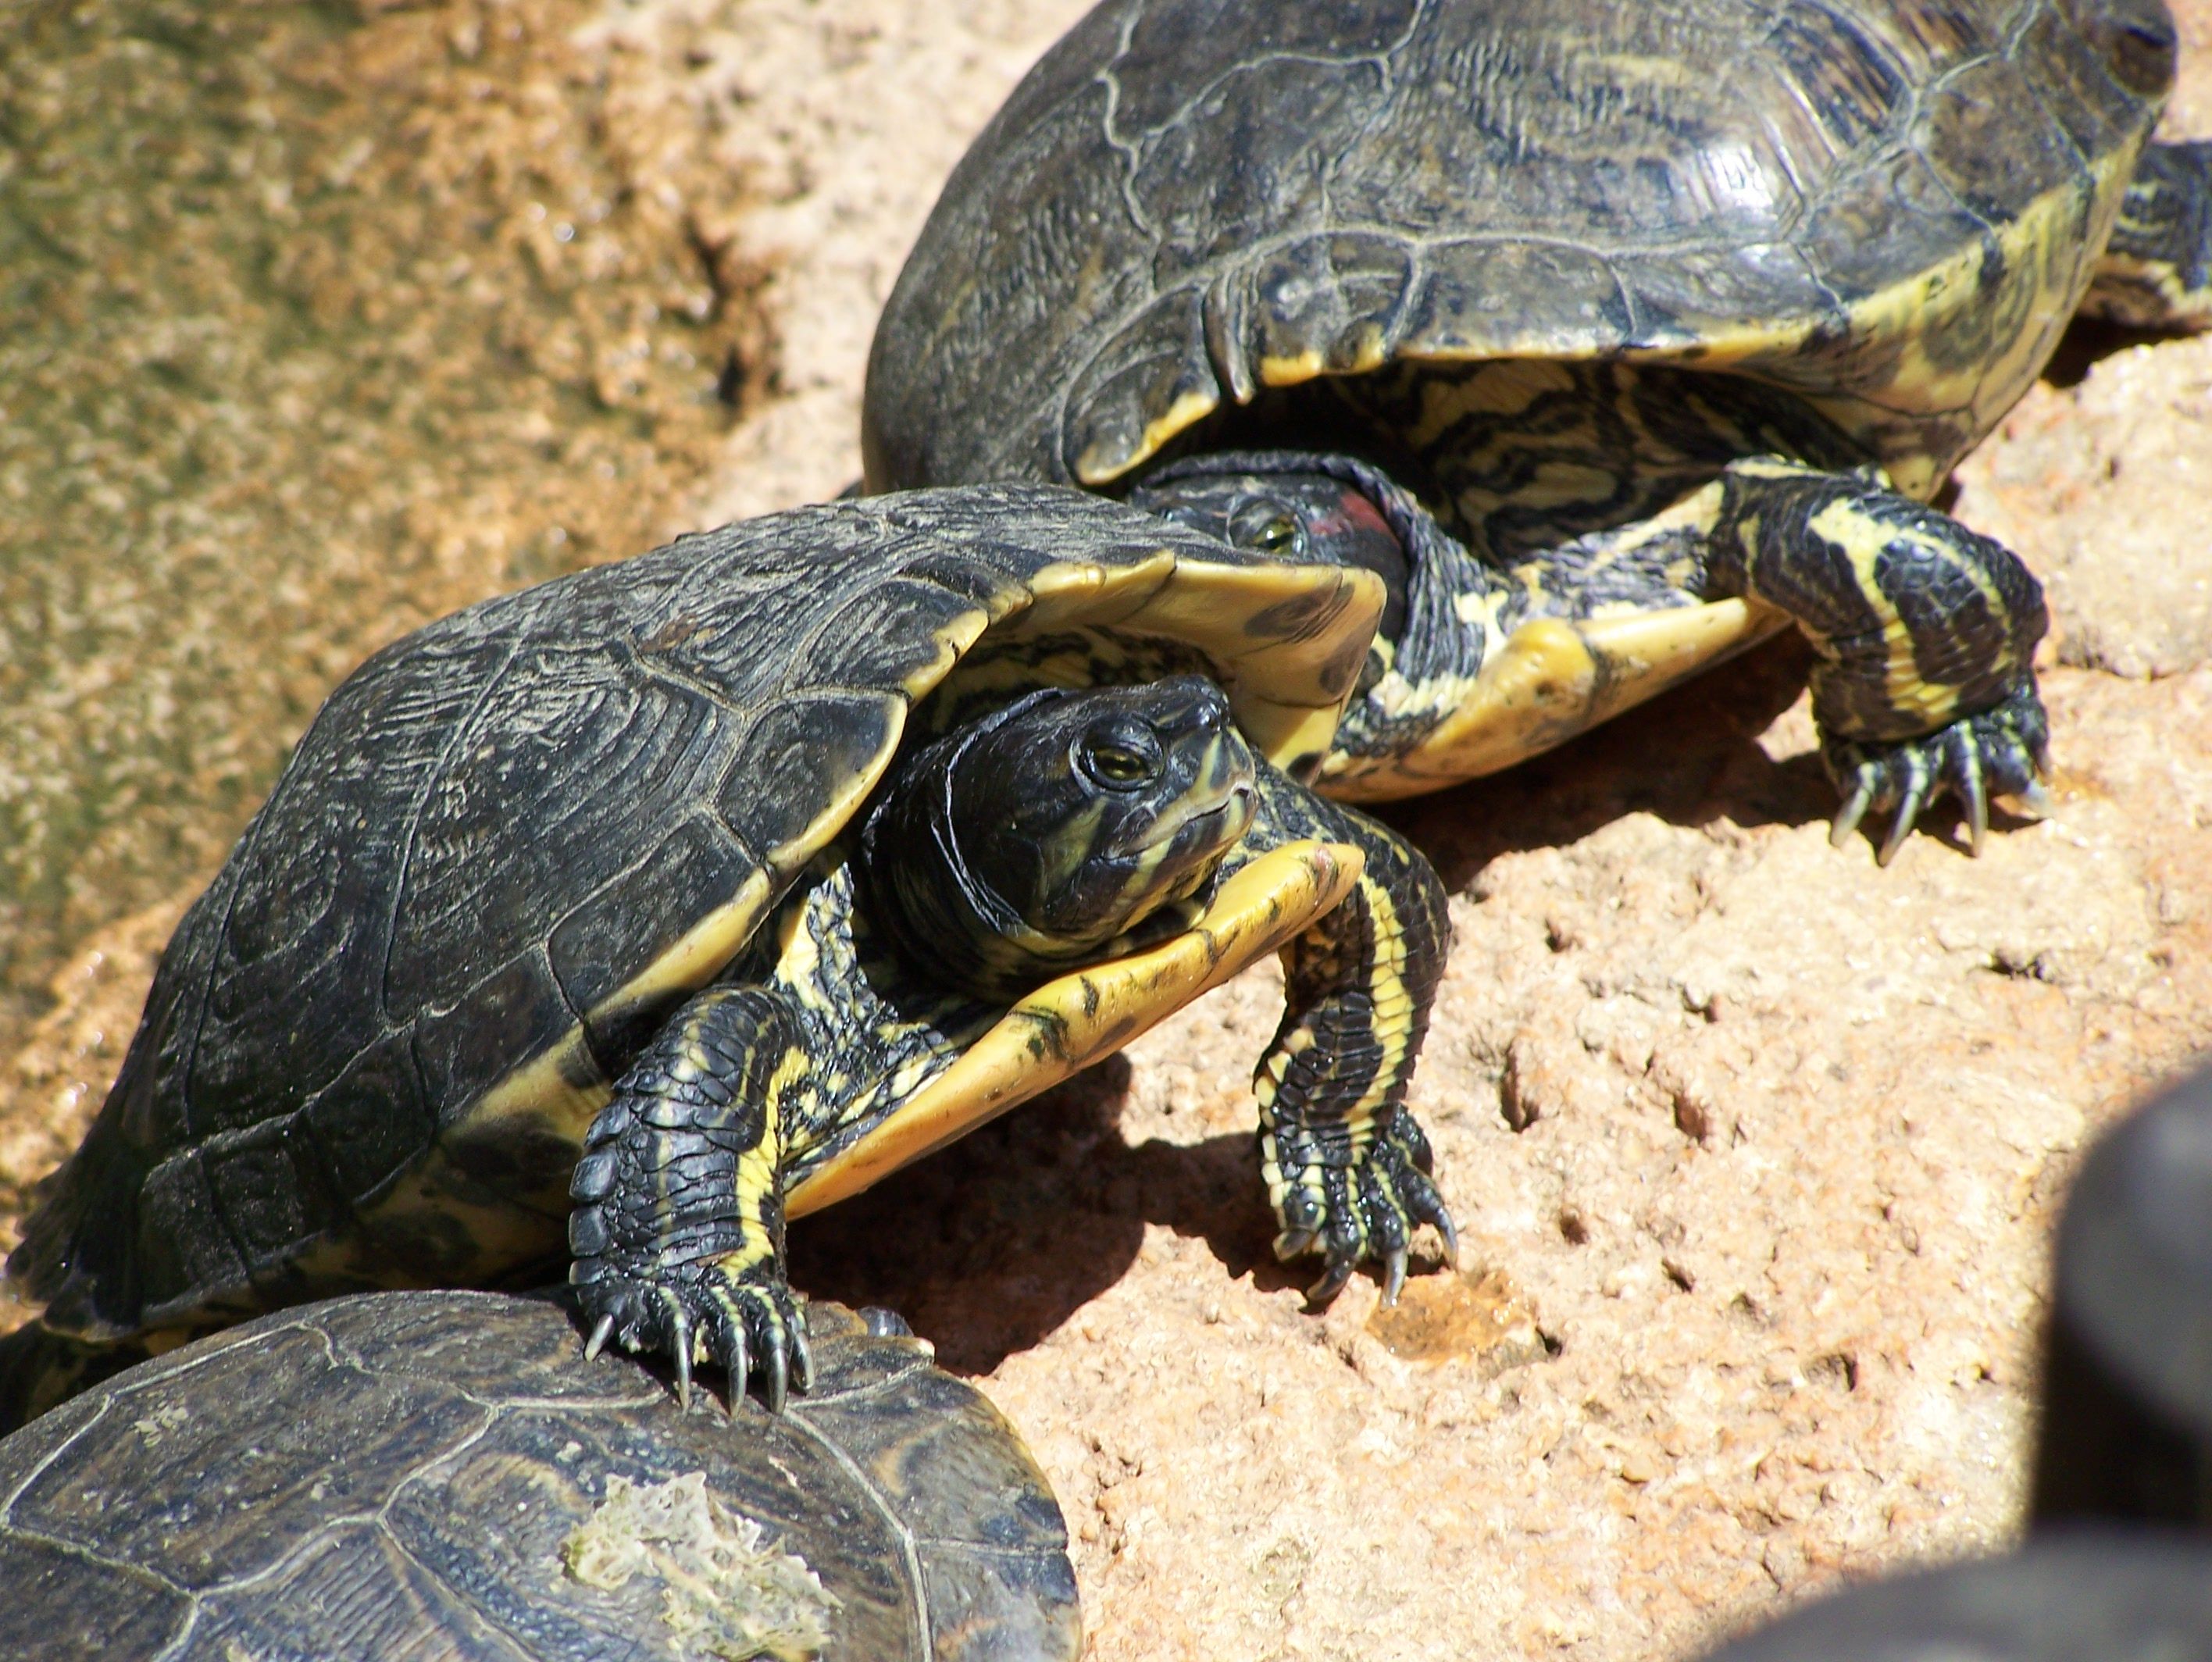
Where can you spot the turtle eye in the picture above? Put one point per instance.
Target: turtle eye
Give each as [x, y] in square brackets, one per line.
[1119, 757]
[1268, 528]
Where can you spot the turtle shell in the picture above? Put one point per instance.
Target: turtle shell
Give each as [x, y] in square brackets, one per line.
[439, 1474]
[512, 842]
[1889, 207]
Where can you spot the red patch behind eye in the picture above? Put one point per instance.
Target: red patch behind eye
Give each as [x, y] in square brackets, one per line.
[1354, 513]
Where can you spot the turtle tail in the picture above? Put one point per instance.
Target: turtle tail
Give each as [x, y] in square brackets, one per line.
[41, 1368]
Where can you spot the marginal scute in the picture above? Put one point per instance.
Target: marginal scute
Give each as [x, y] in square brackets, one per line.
[636, 917]
[901, 633]
[268, 1189]
[187, 1249]
[797, 775]
[372, 1119]
[1149, 381]
[515, 1012]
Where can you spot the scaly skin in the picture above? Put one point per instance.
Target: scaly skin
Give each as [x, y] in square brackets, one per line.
[678, 1226]
[1923, 628]
[2156, 269]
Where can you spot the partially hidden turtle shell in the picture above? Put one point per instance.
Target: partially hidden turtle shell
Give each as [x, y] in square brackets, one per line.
[510, 843]
[1890, 207]
[441, 1475]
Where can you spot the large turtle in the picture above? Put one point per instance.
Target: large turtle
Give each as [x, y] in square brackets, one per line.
[432, 1474]
[1621, 333]
[702, 889]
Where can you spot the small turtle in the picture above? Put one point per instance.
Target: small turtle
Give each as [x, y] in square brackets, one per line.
[700, 890]
[433, 1474]
[1620, 334]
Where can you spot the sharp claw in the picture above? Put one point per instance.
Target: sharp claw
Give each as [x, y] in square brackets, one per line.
[1292, 1243]
[1330, 1285]
[1393, 1276]
[1853, 811]
[1977, 799]
[741, 1370]
[1444, 1227]
[1908, 816]
[2036, 800]
[778, 1372]
[803, 1354]
[600, 1334]
[681, 1345]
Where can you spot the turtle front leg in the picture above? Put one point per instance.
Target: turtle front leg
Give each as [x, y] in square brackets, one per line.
[1925, 630]
[1346, 1164]
[2156, 269]
[677, 1230]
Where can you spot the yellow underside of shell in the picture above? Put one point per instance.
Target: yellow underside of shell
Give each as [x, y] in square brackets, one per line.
[1067, 1024]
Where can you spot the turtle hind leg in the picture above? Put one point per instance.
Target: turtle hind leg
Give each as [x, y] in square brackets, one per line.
[677, 1229]
[41, 1368]
[2156, 269]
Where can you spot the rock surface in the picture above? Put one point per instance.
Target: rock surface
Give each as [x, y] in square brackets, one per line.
[1755, 1147]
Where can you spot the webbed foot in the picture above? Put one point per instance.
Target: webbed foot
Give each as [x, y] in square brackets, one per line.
[1351, 1207]
[2001, 751]
[699, 1311]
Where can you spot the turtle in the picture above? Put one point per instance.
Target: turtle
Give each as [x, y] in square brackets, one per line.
[435, 1474]
[673, 898]
[1619, 334]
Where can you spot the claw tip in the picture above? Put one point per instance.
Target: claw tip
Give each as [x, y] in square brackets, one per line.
[598, 1342]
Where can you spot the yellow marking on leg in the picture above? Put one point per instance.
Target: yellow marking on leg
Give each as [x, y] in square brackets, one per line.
[758, 1167]
[1390, 1021]
[1071, 1022]
[1864, 538]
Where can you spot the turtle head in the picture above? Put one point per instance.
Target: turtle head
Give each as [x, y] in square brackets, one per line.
[1068, 828]
[1304, 509]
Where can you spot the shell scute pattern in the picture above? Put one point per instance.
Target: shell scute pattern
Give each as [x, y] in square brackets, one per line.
[1576, 190]
[512, 844]
[397, 1475]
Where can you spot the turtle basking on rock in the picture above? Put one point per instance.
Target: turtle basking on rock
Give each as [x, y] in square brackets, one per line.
[1616, 334]
[639, 911]
[433, 1474]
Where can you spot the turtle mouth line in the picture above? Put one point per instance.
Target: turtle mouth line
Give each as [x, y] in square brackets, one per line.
[1221, 819]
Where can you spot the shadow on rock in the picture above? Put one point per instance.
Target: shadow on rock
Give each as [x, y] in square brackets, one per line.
[992, 1245]
[1690, 756]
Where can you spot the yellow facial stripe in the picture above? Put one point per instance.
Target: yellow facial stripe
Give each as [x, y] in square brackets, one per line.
[1069, 1024]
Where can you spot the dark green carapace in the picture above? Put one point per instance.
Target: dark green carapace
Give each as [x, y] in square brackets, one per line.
[1628, 331]
[700, 890]
[435, 1474]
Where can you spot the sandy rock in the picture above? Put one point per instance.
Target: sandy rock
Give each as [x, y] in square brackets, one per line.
[1754, 1146]
[2100, 486]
